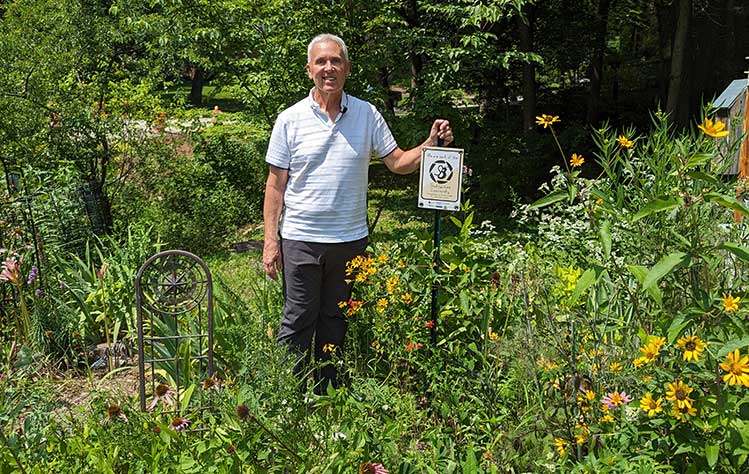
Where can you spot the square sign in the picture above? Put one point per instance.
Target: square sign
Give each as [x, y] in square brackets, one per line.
[440, 178]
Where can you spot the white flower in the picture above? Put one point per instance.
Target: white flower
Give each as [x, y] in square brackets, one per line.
[338, 436]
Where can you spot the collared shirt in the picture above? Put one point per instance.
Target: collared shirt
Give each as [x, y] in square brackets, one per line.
[328, 161]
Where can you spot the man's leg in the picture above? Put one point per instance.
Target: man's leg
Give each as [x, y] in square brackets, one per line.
[332, 324]
[302, 279]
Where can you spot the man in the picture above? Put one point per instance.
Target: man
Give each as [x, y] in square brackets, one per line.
[319, 155]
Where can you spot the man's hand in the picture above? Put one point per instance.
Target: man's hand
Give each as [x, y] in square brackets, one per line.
[271, 258]
[441, 130]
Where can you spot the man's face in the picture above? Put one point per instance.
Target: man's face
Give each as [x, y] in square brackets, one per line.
[327, 67]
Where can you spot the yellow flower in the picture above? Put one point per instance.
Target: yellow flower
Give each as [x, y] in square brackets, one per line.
[647, 378]
[625, 142]
[582, 436]
[328, 348]
[382, 303]
[392, 283]
[649, 352]
[713, 129]
[375, 345]
[678, 393]
[615, 367]
[639, 362]
[561, 446]
[590, 395]
[680, 412]
[731, 303]
[547, 120]
[577, 160]
[382, 258]
[693, 347]
[657, 341]
[737, 368]
[607, 418]
[407, 298]
[342, 304]
[649, 405]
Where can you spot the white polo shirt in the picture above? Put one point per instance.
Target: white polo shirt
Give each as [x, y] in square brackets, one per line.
[328, 161]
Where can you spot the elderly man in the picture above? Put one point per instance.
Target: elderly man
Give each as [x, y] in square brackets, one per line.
[319, 154]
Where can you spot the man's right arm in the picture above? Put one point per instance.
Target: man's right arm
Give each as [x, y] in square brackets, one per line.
[275, 187]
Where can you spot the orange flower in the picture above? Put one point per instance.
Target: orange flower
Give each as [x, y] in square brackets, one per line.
[625, 142]
[577, 160]
[713, 129]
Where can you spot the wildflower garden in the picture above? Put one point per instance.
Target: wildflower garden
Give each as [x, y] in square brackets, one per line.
[592, 297]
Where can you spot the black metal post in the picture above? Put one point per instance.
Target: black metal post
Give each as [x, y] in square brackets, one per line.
[436, 263]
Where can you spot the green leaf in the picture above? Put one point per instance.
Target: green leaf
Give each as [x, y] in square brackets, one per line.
[727, 201]
[700, 159]
[732, 345]
[711, 454]
[605, 233]
[583, 283]
[640, 273]
[703, 176]
[677, 326]
[738, 250]
[665, 266]
[657, 205]
[185, 397]
[556, 196]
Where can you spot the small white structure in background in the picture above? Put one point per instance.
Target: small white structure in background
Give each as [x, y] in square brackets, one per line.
[730, 108]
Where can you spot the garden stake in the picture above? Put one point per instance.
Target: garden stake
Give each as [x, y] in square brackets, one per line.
[436, 266]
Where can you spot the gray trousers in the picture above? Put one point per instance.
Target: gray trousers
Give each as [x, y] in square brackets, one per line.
[314, 283]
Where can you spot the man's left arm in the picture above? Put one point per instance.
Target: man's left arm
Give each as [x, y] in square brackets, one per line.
[404, 162]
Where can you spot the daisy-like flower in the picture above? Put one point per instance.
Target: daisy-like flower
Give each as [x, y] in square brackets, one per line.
[179, 423]
[382, 304]
[407, 298]
[561, 446]
[328, 348]
[692, 346]
[547, 120]
[114, 413]
[372, 468]
[713, 129]
[606, 418]
[650, 405]
[391, 284]
[737, 368]
[615, 367]
[639, 362]
[211, 383]
[649, 352]
[411, 346]
[625, 142]
[680, 412]
[615, 399]
[678, 392]
[730, 303]
[582, 436]
[577, 160]
[163, 394]
[493, 335]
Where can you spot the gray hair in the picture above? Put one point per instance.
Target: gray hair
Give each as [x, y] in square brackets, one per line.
[323, 38]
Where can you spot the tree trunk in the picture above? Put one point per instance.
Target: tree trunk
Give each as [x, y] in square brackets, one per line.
[196, 90]
[596, 63]
[382, 77]
[664, 13]
[525, 32]
[677, 95]
[417, 61]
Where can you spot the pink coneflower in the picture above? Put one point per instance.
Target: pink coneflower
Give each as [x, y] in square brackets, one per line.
[164, 394]
[615, 399]
[114, 413]
[372, 468]
[179, 423]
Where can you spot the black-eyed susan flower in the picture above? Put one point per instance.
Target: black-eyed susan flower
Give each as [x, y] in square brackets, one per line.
[692, 346]
[713, 129]
[730, 302]
[650, 405]
[577, 160]
[680, 413]
[328, 348]
[678, 392]
[625, 142]
[382, 304]
[547, 120]
[737, 368]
